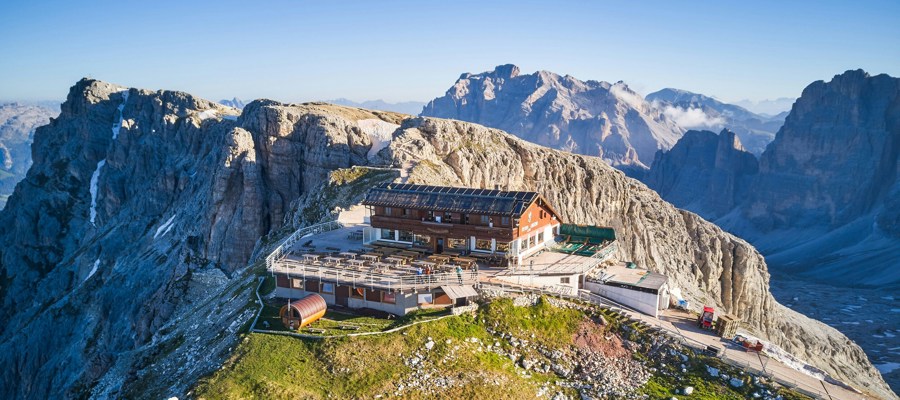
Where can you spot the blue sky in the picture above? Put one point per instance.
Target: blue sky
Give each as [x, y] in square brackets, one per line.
[415, 50]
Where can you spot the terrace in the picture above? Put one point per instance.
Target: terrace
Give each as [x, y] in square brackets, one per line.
[338, 255]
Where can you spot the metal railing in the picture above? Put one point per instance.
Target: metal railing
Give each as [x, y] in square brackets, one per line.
[606, 251]
[282, 249]
[348, 275]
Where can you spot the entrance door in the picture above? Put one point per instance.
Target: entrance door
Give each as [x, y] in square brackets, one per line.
[439, 245]
[341, 294]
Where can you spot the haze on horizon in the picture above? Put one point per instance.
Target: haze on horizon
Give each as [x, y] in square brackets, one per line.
[401, 51]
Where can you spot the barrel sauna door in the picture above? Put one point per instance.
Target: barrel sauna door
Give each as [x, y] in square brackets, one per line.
[341, 294]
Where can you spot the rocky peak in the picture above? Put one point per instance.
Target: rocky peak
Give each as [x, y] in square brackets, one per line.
[704, 172]
[835, 159]
[591, 118]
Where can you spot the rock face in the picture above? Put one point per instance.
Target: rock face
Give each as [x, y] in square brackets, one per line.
[125, 247]
[824, 200]
[713, 266]
[696, 111]
[17, 124]
[585, 117]
[126, 262]
[705, 173]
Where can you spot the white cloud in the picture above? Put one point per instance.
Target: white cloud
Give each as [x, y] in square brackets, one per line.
[631, 98]
[690, 118]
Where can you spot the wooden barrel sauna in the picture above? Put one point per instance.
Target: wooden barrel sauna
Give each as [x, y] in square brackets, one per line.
[300, 313]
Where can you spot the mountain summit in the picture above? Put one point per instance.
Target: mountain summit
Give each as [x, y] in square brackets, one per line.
[602, 119]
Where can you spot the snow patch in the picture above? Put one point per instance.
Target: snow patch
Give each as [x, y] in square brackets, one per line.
[95, 177]
[93, 270]
[118, 125]
[230, 117]
[380, 133]
[208, 114]
[164, 228]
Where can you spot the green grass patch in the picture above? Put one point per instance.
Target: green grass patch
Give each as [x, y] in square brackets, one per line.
[280, 367]
[551, 326]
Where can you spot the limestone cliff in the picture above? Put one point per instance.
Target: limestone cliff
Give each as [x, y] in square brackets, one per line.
[125, 260]
[585, 117]
[713, 266]
[705, 173]
[125, 248]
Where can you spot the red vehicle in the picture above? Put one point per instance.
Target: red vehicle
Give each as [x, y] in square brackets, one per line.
[705, 321]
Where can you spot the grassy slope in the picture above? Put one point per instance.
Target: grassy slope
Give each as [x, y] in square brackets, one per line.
[278, 367]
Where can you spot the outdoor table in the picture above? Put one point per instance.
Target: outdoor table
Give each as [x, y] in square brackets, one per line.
[439, 259]
[381, 267]
[357, 263]
[348, 254]
[370, 257]
[333, 260]
[423, 263]
[310, 257]
[395, 260]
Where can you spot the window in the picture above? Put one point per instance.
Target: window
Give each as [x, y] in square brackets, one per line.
[456, 243]
[531, 241]
[423, 240]
[387, 234]
[523, 244]
[357, 293]
[296, 283]
[564, 280]
[388, 297]
[503, 247]
[406, 236]
[448, 218]
[483, 244]
[388, 211]
[540, 237]
[485, 219]
[406, 212]
[327, 288]
[504, 221]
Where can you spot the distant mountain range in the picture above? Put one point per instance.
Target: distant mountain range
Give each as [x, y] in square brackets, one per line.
[234, 102]
[17, 124]
[768, 107]
[607, 120]
[823, 199]
[405, 107]
[697, 111]
[595, 118]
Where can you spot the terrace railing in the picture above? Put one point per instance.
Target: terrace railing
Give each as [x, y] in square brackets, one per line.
[606, 251]
[347, 275]
[284, 248]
